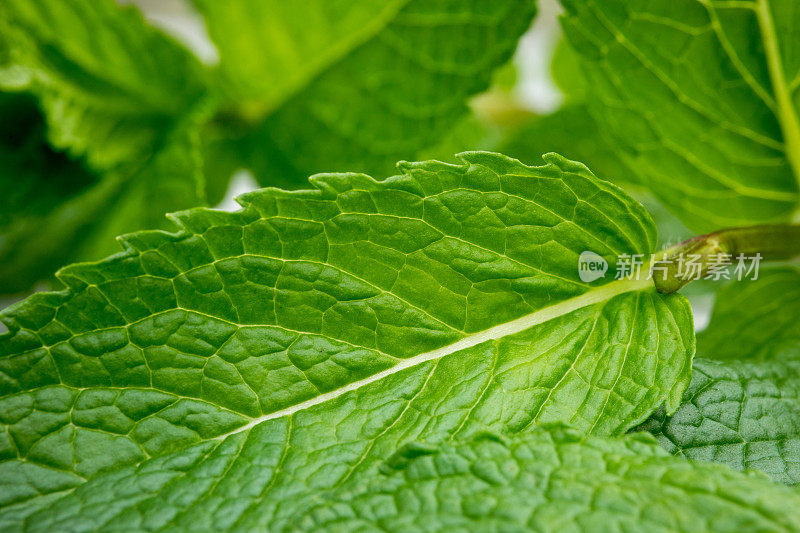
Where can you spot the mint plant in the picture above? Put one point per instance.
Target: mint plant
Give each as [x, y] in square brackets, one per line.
[743, 406]
[699, 99]
[119, 99]
[339, 324]
[346, 87]
[417, 352]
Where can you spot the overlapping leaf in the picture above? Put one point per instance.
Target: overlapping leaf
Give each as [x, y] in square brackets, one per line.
[110, 84]
[27, 197]
[55, 209]
[121, 102]
[220, 376]
[573, 132]
[742, 414]
[762, 312]
[743, 405]
[351, 85]
[553, 479]
[701, 98]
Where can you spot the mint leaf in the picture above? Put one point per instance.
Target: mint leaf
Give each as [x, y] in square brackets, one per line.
[54, 209]
[552, 480]
[110, 84]
[122, 104]
[565, 69]
[700, 98]
[742, 414]
[352, 86]
[743, 405]
[307, 336]
[763, 314]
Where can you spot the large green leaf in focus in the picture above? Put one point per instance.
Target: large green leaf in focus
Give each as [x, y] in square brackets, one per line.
[220, 376]
[121, 103]
[701, 97]
[351, 86]
[743, 405]
[553, 479]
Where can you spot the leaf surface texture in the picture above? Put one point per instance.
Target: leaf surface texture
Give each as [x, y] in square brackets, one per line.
[314, 332]
[701, 98]
[743, 405]
[553, 479]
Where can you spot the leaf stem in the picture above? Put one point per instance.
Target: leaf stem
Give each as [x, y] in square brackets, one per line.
[771, 242]
[786, 112]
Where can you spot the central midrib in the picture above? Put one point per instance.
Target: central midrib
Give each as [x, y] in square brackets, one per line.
[598, 295]
[787, 115]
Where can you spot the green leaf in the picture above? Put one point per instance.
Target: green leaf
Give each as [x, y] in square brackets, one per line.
[11, 76]
[294, 43]
[28, 197]
[553, 479]
[252, 358]
[111, 85]
[54, 210]
[352, 86]
[742, 414]
[472, 132]
[573, 132]
[121, 103]
[762, 313]
[565, 68]
[701, 99]
[743, 405]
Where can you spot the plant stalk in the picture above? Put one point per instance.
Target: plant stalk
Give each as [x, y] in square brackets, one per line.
[774, 242]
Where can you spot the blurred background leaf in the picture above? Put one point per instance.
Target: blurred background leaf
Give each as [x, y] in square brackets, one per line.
[101, 132]
[114, 121]
[701, 99]
[323, 86]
